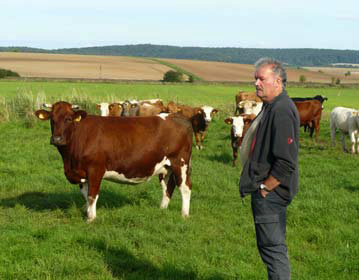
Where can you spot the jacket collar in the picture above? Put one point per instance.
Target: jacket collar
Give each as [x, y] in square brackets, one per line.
[278, 97]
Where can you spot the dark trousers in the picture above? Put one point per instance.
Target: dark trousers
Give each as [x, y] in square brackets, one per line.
[269, 215]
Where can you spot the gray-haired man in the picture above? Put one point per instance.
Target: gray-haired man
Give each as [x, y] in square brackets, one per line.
[270, 174]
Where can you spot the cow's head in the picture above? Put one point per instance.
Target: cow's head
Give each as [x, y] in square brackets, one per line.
[104, 108]
[62, 118]
[320, 98]
[130, 108]
[172, 107]
[115, 109]
[209, 112]
[240, 123]
[247, 106]
[237, 125]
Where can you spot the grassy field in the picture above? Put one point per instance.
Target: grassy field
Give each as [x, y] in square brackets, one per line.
[42, 224]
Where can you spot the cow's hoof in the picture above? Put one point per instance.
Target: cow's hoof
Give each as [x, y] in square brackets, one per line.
[90, 220]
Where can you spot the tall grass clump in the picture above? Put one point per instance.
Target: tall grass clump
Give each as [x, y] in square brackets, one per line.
[21, 108]
[83, 100]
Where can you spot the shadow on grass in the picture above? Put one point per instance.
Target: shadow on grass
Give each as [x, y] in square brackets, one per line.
[50, 201]
[225, 158]
[124, 265]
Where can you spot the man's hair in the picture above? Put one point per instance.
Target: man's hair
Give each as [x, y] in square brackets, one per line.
[276, 65]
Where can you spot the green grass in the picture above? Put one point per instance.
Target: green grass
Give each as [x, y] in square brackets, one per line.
[44, 235]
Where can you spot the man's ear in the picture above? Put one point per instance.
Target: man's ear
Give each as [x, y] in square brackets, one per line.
[43, 115]
[79, 115]
[228, 121]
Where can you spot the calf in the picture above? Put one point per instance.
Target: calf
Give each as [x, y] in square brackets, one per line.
[95, 148]
[200, 118]
[239, 127]
[310, 113]
[347, 121]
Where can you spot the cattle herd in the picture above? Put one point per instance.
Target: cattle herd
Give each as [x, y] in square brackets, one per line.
[134, 140]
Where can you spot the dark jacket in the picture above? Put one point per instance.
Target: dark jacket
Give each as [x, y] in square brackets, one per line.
[274, 150]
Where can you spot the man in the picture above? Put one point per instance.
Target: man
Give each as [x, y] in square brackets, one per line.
[270, 173]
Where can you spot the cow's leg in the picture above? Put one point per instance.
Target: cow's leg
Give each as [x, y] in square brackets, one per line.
[317, 128]
[352, 140]
[94, 181]
[198, 140]
[235, 153]
[168, 184]
[203, 135]
[332, 133]
[183, 181]
[342, 138]
[84, 188]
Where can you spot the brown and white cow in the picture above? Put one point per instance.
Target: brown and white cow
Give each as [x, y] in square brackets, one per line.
[95, 148]
[310, 113]
[152, 107]
[200, 118]
[242, 96]
[239, 127]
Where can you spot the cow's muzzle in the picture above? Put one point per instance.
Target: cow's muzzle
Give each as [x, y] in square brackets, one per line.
[57, 140]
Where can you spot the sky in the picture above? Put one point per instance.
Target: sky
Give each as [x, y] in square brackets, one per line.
[53, 24]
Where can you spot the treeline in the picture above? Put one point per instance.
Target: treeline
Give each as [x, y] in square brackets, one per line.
[293, 57]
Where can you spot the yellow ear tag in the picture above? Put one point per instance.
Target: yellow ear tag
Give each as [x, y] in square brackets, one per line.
[41, 116]
[78, 119]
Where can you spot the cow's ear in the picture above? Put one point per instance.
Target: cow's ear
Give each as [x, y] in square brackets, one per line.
[215, 111]
[98, 106]
[79, 115]
[111, 106]
[43, 115]
[228, 121]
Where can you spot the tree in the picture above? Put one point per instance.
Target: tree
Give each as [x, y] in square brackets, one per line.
[302, 78]
[337, 81]
[347, 74]
[173, 76]
[333, 81]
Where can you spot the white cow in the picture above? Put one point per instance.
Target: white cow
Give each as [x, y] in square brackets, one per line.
[347, 121]
[250, 107]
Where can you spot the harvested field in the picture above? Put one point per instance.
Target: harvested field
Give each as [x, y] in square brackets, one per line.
[221, 71]
[82, 66]
[33, 65]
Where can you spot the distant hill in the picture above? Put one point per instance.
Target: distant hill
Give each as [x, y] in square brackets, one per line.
[293, 57]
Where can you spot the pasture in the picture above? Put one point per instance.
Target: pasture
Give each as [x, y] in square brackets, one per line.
[42, 223]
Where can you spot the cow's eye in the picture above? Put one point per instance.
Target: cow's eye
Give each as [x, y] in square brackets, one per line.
[68, 120]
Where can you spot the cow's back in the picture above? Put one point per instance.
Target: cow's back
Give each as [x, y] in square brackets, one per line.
[308, 110]
[340, 118]
[115, 141]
